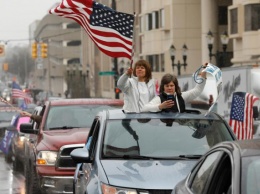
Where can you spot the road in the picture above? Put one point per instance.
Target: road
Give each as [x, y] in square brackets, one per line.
[10, 183]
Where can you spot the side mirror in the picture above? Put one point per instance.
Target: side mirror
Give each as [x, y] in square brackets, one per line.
[80, 155]
[27, 128]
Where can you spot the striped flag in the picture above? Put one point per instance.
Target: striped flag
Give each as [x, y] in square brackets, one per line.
[241, 114]
[18, 93]
[111, 31]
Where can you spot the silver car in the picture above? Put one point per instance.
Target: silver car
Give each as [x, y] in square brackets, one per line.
[133, 153]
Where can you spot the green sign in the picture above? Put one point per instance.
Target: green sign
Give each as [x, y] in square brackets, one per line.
[106, 73]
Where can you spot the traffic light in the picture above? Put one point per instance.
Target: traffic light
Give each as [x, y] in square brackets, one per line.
[34, 50]
[44, 50]
[5, 66]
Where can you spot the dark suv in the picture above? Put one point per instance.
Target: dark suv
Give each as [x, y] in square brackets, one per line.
[144, 152]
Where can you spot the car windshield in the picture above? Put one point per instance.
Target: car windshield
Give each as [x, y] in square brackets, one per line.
[74, 116]
[164, 138]
[250, 175]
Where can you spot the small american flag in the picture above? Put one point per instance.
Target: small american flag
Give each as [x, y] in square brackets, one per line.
[18, 93]
[241, 114]
[111, 31]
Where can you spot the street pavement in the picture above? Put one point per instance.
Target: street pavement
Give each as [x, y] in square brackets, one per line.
[10, 183]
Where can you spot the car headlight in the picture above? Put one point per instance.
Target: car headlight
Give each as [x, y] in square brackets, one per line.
[21, 138]
[107, 189]
[46, 158]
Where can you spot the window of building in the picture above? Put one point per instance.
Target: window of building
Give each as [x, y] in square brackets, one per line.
[252, 17]
[73, 25]
[74, 43]
[155, 19]
[162, 62]
[74, 61]
[156, 62]
[149, 21]
[162, 22]
[234, 21]
[222, 15]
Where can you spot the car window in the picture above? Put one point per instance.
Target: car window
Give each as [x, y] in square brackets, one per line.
[201, 177]
[222, 177]
[74, 115]
[93, 140]
[162, 137]
[250, 175]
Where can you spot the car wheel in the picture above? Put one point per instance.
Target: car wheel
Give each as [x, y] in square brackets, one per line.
[17, 165]
[32, 183]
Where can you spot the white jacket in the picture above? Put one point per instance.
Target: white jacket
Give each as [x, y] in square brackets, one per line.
[153, 105]
[129, 86]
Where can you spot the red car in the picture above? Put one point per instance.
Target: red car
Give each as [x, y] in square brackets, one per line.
[64, 127]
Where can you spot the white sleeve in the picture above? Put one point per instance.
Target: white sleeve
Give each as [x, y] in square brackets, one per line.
[153, 105]
[123, 82]
[195, 92]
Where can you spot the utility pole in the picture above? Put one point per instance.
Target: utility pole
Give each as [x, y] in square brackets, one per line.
[115, 60]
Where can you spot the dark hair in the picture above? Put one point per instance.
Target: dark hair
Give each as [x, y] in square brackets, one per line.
[166, 79]
[147, 66]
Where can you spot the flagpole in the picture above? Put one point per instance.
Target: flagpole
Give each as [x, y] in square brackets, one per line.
[8, 103]
[133, 47]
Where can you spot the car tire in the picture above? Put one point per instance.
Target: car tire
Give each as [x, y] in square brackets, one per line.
[17, 165]
[32, 181]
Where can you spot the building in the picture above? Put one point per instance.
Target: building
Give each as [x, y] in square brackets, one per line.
[159, 25]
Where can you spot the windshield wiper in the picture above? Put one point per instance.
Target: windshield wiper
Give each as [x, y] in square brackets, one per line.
[142, 157]
[63, 127]
[190, 156]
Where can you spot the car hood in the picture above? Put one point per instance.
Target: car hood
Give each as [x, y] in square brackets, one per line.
[147, 174]
[54, 139]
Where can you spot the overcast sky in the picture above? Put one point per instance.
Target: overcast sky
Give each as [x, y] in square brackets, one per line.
[17, 15]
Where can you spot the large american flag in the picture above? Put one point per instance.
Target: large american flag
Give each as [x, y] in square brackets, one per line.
[18, 93]
[241, 115]
[111, 31]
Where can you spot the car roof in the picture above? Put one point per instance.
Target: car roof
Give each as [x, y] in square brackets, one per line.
[246, 148]
[120, 114]
[94, 101]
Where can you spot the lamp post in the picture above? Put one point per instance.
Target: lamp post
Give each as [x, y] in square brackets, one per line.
[184, 57]
[220, 56]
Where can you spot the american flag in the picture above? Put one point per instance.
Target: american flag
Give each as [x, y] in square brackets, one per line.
[18, 93]
[241, 115]
[111, 31]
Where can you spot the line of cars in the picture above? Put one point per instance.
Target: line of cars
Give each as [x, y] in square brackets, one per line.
[64, 126]
[113, 152]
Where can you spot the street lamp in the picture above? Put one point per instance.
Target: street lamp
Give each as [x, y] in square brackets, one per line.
[220, 56]
[184, 57]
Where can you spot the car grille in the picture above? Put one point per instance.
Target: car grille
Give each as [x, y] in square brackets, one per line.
[64, 160]
[154, 191]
